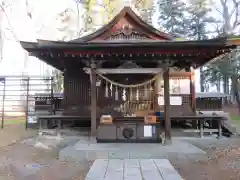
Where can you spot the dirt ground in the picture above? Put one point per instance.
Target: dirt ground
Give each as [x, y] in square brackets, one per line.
[221, 163]
[24, 162]
[13, 133]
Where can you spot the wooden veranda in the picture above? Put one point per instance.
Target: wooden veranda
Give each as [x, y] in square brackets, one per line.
[128, 69]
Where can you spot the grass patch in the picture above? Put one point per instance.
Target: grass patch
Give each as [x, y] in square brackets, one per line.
[10, 122]
[235, 118]
[13, 120]
[235, 122]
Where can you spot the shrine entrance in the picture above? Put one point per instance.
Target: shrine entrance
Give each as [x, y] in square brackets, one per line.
[126, 94]
[141, 92]
[114, 74]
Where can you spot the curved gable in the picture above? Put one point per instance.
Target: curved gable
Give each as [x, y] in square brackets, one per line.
[126, 25]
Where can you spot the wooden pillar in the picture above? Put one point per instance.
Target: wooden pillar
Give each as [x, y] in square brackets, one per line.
[168, 138]
[158, 93]
[192, 90]
[93, 99]
[193, 97]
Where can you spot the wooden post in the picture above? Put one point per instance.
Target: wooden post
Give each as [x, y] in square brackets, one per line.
[201, 128]
[192, 90]
[193, 97]
[157, 92]
[219, 128]
[168, 138]
[93, 100]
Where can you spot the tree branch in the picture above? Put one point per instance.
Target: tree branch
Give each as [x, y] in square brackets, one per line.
[214, 5]
[218, 11]
[232, 12]
[236, 21]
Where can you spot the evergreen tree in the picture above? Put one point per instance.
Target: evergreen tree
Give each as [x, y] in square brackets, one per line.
[198, 12]
[172, 17]
[199, 17]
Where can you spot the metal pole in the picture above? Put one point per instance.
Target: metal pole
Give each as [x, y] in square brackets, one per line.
[3, 101]
[27, 99]
[52, 98]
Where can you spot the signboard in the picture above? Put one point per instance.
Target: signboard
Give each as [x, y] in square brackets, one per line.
[32, 119]
[176, 86]
[147, 131]
[174, 100]
[185, 86]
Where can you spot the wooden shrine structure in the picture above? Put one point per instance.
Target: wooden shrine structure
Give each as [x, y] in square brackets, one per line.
[128, 70]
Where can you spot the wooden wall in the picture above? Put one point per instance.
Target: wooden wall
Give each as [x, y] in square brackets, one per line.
[76, 94]
[77, 100]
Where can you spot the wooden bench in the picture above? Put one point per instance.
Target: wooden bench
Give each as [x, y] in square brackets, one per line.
[200, 118]
[57, 121]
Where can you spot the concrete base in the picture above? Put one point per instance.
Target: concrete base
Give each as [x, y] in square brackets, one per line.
[88, 149]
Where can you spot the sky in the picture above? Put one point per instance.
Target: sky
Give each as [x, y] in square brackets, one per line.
[25, 29]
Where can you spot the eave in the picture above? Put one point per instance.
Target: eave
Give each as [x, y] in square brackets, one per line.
[184, 53]
[101, 45]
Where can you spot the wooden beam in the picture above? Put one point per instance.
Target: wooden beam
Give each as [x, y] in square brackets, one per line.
[127, 71]
[139, 71]
[93, 99]
[168, 137]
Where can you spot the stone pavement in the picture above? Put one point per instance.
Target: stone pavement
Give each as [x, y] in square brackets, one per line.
[90, 150]
[132, 169]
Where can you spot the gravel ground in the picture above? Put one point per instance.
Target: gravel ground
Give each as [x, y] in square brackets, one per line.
[20, 161]
[221, 163]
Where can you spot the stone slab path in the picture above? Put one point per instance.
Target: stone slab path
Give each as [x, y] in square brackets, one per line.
[88, 150]
[132, 169]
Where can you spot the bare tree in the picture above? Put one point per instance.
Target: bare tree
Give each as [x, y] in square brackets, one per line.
[229, 11]
[79, 29]
[1, 32]
[29, 14]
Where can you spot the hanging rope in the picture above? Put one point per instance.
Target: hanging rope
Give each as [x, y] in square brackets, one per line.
[129, 85]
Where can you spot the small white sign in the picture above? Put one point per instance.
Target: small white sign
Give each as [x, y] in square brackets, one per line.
[185, 86]
[32, 119]
[147, 131]
[174, 100]
[31, 109]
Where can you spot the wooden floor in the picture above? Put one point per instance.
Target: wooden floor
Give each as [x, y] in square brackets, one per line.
[132, 169]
